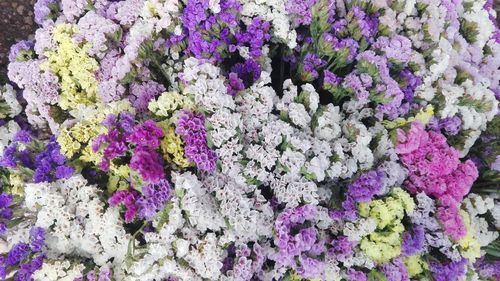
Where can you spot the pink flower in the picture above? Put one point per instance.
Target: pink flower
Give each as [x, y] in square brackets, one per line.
[452, 222]
[435, 168]
[410, 141]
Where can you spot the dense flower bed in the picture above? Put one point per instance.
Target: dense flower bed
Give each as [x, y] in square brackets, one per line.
[252, 140]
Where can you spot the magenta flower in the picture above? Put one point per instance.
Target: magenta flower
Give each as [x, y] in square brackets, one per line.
[148, 163]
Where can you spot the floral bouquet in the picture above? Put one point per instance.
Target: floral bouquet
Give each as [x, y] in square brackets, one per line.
[252, 140]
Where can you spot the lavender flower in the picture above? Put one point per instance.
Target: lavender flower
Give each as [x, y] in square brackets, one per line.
[44, 9]
[413, 242]
[191, 127]
[21, 51]
[366, 186]
[448, 271]
[153, 199]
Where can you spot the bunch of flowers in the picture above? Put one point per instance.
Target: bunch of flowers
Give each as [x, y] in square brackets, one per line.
[252, 140]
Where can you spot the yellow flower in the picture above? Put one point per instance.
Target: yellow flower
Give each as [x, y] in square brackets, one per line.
[415, 265]
[425, 115]
[88, 155]
[16, 183]
[172, 147]
[469, 247]
[170, 102]
[74, 67]
[68, 145]
[385, 243]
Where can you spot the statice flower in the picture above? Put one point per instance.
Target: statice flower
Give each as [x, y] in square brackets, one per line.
[255, 36]
[6, 212]
[148, 163]
[24, 258]
[190, 126]
[128, 199]
[366, 186]
[44, 9]
[395, 270]
[141, 141]
[143, 93]
[244, 262]
[451, 125]
[413, 241]
[341, 248]
[153, 199]
[21, 51]
[251, 140]
[50, 164]
[448, 271]
[300, 11]
[309, 69]
[242, 76]
[354, 275]
[292, 248]
[147, 134]
[435, 168]
[488, 269]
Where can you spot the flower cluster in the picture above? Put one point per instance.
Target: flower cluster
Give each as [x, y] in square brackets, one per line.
[249, 140]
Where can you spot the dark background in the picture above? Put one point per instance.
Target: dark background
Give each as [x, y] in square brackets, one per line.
[16, 23]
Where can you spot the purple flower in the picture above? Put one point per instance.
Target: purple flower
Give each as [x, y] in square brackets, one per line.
[412, 82]
[153, 199]
[242, 76]
[17, 253]
[6, 212]
[310, 65]
[50, 163]
[146, 135]
[142, 94]
[23, 136]
[310, 268]
[148, 163]
[127, 198]
[64, 172]
[20, 49]
[354, 275]
[395, 270]
[294, 239]
[43, 9]
[3, 228]
[235, 84]
[191, 127]
[332, 79]
[341, 248]
[349, 210]
[300, 11]
[26, 270]
[9, 159]
[256, 35]
[448, 271]
[37, 237]
[412, 244]
[366, 186]
[451, 125]
[488, 269]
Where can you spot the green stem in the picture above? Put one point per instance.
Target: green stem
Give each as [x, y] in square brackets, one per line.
[131, 244]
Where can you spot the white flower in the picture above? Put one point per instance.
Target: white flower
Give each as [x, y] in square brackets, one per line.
[8, 94]
[77, 221]
[199, 205]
